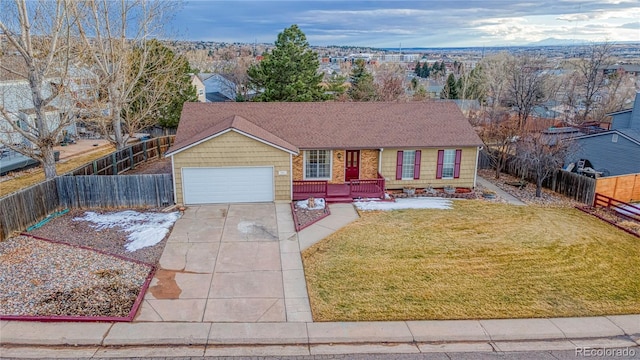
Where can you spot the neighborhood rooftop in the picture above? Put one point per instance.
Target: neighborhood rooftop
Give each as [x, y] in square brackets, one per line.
[327, 125]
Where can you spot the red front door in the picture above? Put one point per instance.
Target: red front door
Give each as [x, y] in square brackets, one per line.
[352, 165]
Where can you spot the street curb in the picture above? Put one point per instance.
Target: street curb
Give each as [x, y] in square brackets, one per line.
[246, 349]
[626, 327]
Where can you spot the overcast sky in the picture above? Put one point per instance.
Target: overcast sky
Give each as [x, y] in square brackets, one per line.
[427, 23]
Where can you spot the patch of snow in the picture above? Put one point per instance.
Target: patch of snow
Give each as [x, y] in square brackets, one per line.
[304, 204]
[400, 204]
[145, 229]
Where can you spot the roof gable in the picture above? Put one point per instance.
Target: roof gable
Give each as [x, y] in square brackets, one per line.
[630, 134]
[240, 125]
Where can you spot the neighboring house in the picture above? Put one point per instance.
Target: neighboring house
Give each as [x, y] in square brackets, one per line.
[250, 152]
[17, 100]
[200, 88]
[15, 97]
[469, 107]
[434, 91]
[622, 69]
[613, 152]
[218, 88]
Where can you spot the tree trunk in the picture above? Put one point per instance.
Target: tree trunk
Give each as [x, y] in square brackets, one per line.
[116, 123]
[48, 162]
[539, 187]
[500, 164]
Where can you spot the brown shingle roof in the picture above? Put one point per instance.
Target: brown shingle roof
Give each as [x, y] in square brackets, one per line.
[238, 123]
[332, 125]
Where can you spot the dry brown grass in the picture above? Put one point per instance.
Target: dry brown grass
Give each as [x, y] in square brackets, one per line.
[35, 176]
[476, 261]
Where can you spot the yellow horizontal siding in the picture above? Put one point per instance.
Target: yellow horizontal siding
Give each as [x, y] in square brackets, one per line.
[428, 165]
[234, 149]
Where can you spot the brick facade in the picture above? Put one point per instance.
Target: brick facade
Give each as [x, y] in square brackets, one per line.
[368, 165]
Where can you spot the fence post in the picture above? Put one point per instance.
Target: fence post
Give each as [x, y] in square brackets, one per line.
[114, 165]
[144, 150]
[159, 148]
[132, 164]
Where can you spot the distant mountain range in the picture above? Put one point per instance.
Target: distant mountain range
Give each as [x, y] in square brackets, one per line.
[557, 42]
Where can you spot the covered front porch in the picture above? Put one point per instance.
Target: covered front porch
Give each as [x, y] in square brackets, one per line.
[345, 192]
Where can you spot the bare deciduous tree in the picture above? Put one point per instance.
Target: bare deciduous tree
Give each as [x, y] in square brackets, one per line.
[109, 30]
[591, 79]
[499, 132]
[620, 92]
[389, 79]
[525, 84]
[39, 34]
[495, 81]
[541, 155]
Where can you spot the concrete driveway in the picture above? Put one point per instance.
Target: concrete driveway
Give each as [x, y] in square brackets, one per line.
[230, 263]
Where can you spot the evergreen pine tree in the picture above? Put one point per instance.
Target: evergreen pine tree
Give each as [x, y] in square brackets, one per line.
[290, 71]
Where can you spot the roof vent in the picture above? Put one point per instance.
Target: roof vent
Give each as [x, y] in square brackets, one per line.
[614, 138]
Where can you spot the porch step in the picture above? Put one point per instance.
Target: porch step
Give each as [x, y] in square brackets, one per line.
[339, 199]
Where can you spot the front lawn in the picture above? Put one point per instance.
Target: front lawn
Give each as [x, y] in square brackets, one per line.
[475, 261]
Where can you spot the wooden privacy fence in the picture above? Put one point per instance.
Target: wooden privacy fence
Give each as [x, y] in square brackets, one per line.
[578, 187]
[115, 191]
[624, 187]
[126, 159]
[26, 207]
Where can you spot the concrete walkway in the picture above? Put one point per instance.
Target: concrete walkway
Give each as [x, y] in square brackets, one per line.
[151, 339]
[501, 193]
[341, 216]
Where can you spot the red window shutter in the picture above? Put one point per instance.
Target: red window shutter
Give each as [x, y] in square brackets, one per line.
[440, 162]
[416, 167]
[399, 166]
[456, 169]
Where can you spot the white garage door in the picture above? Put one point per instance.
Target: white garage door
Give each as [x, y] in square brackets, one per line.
[227, 185]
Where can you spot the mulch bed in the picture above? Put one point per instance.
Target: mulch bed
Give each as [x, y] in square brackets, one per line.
[614, 219]
[82, 274]
[437, 193]
[111, 240]
[527, 194]
[47, 281]
[302, 218]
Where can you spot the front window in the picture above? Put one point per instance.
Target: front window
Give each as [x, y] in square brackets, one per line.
[408, 164]
[448, 163]
[317, 164]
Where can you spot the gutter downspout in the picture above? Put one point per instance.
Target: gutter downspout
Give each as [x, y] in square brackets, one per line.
[380, 161]
[475, 174]
[173, 173]
[291, 176]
